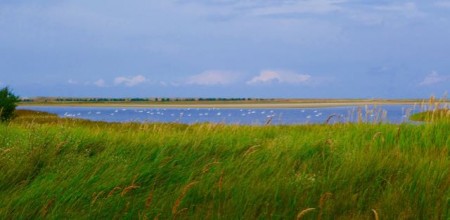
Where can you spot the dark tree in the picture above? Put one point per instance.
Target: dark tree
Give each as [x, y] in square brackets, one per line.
[8, 104]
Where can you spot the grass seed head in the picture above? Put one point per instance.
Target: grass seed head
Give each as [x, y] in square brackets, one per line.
[304, 212]
[181, 197]
[375, 214]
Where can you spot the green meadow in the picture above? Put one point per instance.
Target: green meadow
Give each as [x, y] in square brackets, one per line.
[54, 168]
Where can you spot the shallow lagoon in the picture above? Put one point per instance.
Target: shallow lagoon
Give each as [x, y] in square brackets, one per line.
[258, 116]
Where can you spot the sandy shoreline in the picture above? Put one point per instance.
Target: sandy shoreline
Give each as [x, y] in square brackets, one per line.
[230, 105]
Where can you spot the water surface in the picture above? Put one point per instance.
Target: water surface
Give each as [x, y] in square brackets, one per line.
[257, 116]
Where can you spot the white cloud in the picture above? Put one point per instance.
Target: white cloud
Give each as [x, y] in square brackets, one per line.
[442, 4]
[213, 77]
[293, 7]
[100, 83]
[434, 78]
[408, 9]
[131, 81]
[271, 76]
[163, 83]
[72, 82]
[390, 14]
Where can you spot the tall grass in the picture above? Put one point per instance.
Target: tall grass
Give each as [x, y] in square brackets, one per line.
[62, 168]
[434, 110]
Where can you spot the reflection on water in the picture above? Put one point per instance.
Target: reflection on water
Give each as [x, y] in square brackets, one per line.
[385, 113]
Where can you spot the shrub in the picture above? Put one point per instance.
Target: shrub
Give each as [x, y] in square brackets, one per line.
[8, 104]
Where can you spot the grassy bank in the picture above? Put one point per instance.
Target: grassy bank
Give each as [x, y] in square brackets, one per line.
[431, 116]
[61, 168]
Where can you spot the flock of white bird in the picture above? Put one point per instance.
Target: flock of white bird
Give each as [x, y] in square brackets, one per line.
[224, 115]
[191, 112]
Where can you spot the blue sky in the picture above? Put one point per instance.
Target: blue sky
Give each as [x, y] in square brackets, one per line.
[226, 48]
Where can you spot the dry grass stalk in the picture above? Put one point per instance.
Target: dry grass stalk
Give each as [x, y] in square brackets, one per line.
[96, 195]
[181, 211]
[221, 182]
[208, 166]
[397, 136]
[324, 198]
[149, 200]
[45, 209]
[431, 101]
[59, 147]
[181, 197]
[329, 118]
[269, 121]
[117, 188]
[130, 187]
[6, 150]
[330, 143]
[250, 150]
[376, 135]
[375, 214]
[165, 161]
[360, 115]
[304, 212]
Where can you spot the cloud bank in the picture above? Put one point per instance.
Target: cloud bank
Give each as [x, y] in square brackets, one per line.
[434, 78]
[100, 83]
[213, 77]
[130, 81]
[272, 76]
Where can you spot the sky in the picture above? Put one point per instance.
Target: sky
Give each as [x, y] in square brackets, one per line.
[226, 48]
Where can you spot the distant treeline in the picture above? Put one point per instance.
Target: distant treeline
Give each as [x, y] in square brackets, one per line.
[47, 99]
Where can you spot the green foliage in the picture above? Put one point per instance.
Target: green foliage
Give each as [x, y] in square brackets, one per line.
[430, 116]
[8, 104]
[54, 168]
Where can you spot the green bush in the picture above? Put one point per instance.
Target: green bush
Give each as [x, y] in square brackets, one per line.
[8, 104]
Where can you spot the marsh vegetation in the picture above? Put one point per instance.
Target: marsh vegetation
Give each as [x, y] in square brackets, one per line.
[57, 168]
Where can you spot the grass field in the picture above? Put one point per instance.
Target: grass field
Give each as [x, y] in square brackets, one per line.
[57, 168]
[430, 116]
